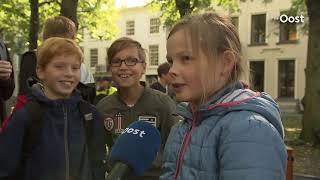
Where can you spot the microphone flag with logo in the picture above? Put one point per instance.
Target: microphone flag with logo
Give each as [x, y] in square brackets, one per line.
[137, 147]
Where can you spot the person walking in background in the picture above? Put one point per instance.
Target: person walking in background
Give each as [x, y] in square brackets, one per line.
[229, 131]
[134, 102]
[6, 79]
[163, 84]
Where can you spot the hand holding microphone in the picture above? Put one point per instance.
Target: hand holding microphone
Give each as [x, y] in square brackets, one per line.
[134, 150]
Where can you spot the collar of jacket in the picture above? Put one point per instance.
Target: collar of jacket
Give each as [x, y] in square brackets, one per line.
[36, 93]
[185, 110]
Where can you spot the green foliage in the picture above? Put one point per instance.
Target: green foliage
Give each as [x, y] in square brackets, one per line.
[14, 15]
[299, 7]
[172, 12]
[98, 16]
[46, 11]
[231, 5]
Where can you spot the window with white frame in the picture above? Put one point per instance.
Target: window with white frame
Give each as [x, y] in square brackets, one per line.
[154, 25]
[93, 57]
[130, 28]
[154, 55]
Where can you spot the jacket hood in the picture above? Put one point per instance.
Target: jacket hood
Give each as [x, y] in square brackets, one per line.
[236, 97]
[35, 89]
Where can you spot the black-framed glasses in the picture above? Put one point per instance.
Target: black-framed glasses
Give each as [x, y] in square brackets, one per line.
[129, 61]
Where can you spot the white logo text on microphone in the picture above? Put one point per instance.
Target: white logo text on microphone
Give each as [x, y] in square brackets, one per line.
[134, 131]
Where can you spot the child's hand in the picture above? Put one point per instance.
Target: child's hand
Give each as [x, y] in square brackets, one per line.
[5, 70]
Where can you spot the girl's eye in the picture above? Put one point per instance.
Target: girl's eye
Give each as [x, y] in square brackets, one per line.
[75, 67]
[59, 66]
[169, 61]
[186, 58]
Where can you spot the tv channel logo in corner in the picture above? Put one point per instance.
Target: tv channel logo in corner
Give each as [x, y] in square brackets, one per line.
[284, 18]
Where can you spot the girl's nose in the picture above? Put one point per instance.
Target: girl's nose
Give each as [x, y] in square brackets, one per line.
[173, 70]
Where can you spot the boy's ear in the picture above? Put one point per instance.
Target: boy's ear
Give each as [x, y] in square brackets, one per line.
[228, 61]
[144, 65]
[40, 72]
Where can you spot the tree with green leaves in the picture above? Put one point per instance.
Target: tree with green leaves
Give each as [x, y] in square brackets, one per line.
[34, 24]
[99, 17]
[175, 10]
[311, 116]
[68, 8]
[21, 20]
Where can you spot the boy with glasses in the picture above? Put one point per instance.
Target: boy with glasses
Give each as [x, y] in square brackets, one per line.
[134, 102]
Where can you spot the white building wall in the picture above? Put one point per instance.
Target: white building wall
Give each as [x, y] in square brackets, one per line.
[270, 53]
[141, 16]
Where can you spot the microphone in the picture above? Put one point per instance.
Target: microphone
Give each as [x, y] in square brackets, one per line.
[134, 150]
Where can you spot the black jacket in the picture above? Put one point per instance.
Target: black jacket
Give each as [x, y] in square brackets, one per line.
[6, 86]
[62, 141]
[27, 70]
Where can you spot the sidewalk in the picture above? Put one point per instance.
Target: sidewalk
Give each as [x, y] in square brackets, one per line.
[304, 177]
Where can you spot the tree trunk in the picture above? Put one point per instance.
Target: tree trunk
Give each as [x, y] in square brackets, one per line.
[34, 24]
[184, 7]
[311, 117]
[69, 10]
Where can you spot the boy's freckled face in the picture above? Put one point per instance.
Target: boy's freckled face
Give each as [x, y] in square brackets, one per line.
[61, 76]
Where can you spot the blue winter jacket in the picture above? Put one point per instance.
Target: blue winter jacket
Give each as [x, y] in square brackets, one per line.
[62, 149]
[237, 135]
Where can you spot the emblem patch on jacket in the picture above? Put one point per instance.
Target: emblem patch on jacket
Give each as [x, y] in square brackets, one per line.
[108, 123]
[150, 119]
[118, 118]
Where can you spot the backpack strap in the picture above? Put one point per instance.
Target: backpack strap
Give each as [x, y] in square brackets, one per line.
[32, 133]
[87, 117]
[98, 165]
[85, 110]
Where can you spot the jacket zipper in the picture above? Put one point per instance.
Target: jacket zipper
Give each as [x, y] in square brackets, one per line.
[183, 148]
[66, 146]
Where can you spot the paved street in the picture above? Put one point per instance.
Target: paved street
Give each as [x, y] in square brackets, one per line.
[301, 177]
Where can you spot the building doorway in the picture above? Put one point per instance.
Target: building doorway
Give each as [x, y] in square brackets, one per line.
[286, 79]
[257, 75]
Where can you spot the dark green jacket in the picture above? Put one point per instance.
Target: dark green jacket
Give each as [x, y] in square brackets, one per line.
[153, 106]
